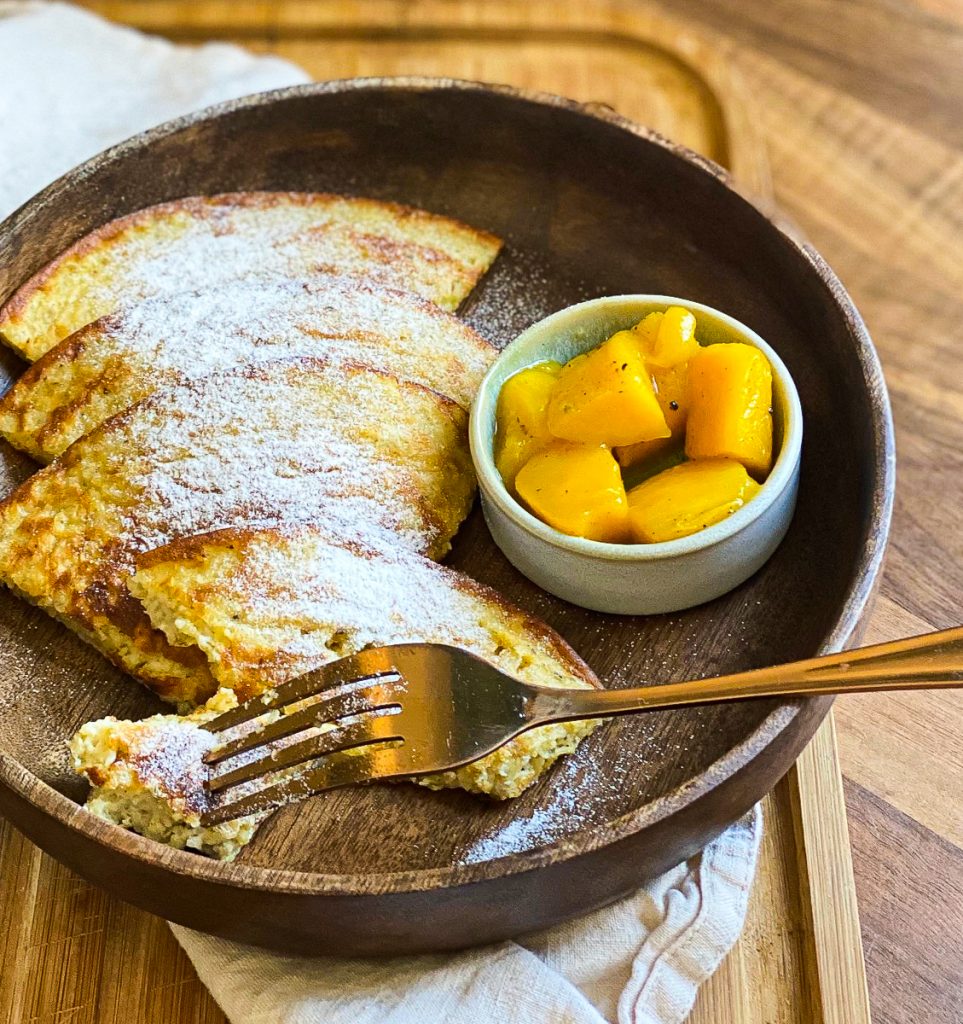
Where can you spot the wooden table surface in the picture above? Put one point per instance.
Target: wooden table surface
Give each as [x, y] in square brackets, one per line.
[861, 106]
[861, 103]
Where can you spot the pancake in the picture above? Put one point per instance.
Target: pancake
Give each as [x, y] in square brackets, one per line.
[148, 776]
[289, 440]
[268, 604]
[203, 241]
[169, 339]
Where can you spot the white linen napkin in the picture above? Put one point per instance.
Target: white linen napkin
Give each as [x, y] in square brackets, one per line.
[73, 84]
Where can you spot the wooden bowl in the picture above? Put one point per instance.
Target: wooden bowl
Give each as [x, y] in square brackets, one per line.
[589, 204]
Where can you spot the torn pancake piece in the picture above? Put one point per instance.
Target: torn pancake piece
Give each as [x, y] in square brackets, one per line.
[170, 339]
[204, 241]
[148, 777]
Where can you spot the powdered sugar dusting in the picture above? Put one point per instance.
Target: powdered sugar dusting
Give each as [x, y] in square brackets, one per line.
[169, 752]
[520, 289]
[285, 440]
[574, 787]
[206, 243]
[296, 597]
[370, 593]
[289, 237]
[193, 333]
[581, 792]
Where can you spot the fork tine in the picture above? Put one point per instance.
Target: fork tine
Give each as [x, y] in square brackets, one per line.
[331, 773]
[374, 697]
[343, 737]
[369, 664]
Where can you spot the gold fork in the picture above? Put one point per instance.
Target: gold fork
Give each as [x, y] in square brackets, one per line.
[417, 709]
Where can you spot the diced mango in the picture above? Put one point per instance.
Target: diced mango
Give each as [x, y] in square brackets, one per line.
[730, 399]
[687, 498]
[521, 426]
[577, 489]
[668, 338]
[647, 331]
[672, 393]
[606, 397]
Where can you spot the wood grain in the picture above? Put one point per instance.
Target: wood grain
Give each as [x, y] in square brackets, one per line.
[869, 172]
[666, 77]
[911, 896]
[826, 882]
[775, 935]
[77, 954]
[73, 953]
[890, 57]
[835, 108]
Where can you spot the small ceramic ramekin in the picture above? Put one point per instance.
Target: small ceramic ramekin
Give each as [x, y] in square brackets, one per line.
[636, 579]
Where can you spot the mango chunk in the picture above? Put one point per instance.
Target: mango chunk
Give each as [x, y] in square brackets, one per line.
[577, 489]
[521, 426]
[606, 397]
[730, 399]
[671, 388]
[667, 339]
[687, 498]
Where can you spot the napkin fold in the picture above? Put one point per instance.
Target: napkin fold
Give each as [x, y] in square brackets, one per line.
[74, 84]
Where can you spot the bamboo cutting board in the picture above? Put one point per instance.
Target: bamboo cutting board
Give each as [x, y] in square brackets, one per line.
[73, 953]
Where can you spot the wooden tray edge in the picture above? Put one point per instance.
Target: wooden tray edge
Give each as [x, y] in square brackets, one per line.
[704, 60]
[827, 881]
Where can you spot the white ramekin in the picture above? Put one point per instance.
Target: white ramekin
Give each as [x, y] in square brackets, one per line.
[636, 579]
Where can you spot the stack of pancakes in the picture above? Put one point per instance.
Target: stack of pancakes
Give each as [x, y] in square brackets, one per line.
[254, 411]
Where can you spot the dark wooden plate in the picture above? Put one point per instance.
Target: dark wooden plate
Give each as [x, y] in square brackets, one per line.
[589, 204]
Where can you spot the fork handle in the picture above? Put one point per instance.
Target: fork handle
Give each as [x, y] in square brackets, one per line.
[920, 662]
